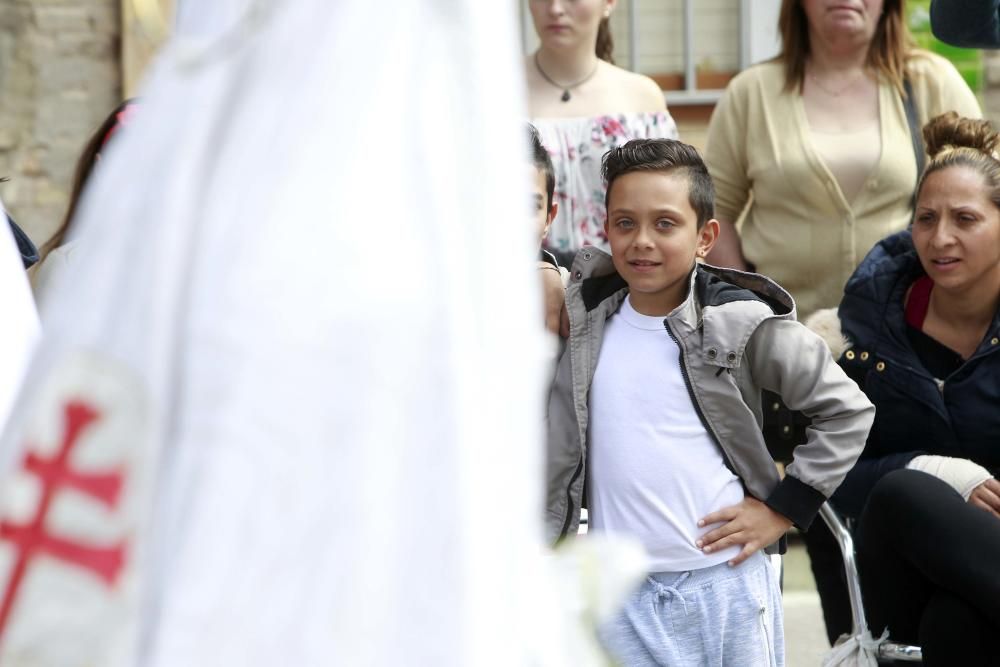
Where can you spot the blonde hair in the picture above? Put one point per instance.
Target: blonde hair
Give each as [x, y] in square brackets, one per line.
[954, 141]
[890, 48]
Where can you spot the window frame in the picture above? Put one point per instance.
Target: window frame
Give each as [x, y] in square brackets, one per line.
[758, 41]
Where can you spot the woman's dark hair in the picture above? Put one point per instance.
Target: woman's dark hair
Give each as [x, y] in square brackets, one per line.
[664, 155]
[84, 167]
[605, 45]
[954, 141]
[890, 48]
[542, 162]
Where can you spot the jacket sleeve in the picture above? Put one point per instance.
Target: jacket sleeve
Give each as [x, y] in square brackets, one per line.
[795, 363]
[972, 24]
[851, 496]
[874, 463]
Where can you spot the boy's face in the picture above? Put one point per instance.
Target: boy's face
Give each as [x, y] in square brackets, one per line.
[654, 237]
[541, 213]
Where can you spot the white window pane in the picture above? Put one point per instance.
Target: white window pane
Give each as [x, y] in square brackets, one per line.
[715, 44]
[661, 35]
[717, 35]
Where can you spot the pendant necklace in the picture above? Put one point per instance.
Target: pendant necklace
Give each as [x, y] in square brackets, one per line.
[566, 97]
[839, 91]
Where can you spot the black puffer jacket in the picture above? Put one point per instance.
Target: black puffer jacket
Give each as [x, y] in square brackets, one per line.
[914, 414]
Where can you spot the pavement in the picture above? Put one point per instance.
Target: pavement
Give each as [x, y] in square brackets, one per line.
[805, 636]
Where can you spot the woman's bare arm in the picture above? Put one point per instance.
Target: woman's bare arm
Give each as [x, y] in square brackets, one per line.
[728, 251]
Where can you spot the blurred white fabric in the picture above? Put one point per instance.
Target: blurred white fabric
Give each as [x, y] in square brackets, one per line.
[342, 355]
[19, 330]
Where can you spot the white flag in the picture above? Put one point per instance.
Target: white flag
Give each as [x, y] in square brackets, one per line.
[307, 256]
[19, 328]
[69, 513]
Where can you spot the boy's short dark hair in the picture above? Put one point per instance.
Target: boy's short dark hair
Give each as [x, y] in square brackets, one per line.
[663, 155]
[543, 163]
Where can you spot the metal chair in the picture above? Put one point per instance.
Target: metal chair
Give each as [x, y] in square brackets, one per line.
[888, 650]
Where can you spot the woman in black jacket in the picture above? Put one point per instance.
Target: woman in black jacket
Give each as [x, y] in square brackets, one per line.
[922, 315]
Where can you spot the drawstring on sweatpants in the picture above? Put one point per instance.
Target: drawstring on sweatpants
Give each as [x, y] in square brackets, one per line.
[664, 592]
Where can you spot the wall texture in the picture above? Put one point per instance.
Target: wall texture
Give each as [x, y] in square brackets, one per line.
[60, 74]
[991, 86]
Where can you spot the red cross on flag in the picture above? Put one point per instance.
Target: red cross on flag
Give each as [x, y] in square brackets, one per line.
[67, 517]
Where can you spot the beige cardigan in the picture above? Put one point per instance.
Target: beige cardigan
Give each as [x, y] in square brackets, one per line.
[800, 230]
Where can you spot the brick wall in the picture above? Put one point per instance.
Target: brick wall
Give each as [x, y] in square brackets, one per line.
[59, 77]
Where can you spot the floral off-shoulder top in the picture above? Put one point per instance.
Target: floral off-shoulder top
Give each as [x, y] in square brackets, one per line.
[576, 146]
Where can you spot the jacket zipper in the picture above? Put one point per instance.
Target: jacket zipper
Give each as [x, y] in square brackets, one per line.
[694, 399]
[975, 357]
[579, 466]
[569, 499]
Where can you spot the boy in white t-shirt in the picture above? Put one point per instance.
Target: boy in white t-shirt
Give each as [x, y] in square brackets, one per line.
[656, 407]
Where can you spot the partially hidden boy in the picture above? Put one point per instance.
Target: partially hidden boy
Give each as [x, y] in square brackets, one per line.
[655, 417]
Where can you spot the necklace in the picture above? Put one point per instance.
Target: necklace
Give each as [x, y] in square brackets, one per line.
[834, 93]
[566, 97]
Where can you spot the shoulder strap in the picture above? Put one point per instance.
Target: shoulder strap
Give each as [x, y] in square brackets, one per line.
[910, 105]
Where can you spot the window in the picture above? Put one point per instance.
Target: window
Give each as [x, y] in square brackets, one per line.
[690, 47]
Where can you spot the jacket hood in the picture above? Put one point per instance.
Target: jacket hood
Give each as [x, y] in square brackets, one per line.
[890, 258]
[875, 290]
[826, 324]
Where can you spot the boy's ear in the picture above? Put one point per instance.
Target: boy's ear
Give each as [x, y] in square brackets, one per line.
[553, 210]
[707, 236]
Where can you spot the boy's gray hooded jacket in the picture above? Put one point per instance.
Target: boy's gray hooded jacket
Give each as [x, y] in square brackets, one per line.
[738, 335]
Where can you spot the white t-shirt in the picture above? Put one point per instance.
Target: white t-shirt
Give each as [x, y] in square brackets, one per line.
[654, 469]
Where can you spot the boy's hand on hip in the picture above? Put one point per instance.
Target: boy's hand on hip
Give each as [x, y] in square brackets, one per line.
[751, 524]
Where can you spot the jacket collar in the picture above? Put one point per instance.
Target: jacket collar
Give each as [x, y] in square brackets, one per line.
[726, 304]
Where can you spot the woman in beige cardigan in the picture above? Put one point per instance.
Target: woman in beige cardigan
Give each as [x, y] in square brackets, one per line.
[817, 142]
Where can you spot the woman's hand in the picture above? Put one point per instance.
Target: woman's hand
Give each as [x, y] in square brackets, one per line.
[751, 524]
[986, 496]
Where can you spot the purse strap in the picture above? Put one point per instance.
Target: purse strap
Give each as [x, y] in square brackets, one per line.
[910, 106]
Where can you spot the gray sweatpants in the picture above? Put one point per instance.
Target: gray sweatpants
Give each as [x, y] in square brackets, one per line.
[720, 616]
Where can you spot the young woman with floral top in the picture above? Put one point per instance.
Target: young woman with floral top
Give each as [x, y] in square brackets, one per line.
[583, 105]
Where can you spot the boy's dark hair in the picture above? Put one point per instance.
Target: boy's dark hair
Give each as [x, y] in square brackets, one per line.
[663, 155]
[543, 163]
